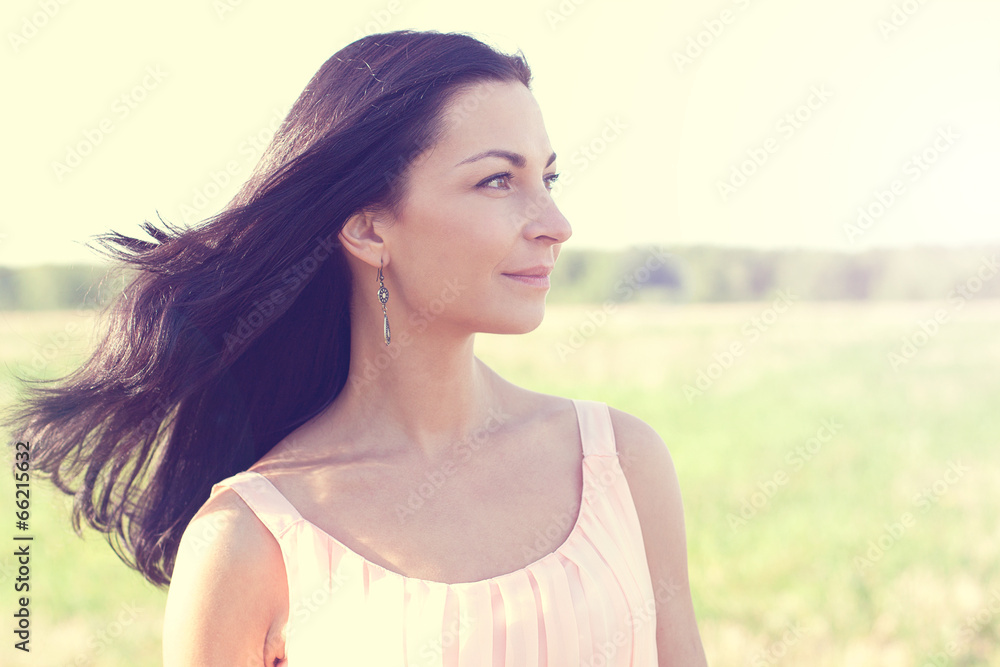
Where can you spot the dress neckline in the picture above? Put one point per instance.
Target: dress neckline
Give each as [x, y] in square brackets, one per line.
[583, 435]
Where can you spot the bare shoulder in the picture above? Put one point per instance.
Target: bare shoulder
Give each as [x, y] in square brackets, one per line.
[652, 480]
[228, 595]
[644, 455]
[651, 476]
[653, 484]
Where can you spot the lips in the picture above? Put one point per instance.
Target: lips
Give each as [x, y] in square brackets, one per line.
[540, 271]
[536, 276]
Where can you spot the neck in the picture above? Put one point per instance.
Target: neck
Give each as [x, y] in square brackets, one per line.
[419, 396]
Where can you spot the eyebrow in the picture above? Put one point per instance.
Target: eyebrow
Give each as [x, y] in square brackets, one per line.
[515, 159]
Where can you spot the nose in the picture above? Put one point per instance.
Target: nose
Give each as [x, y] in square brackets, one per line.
[545, 220]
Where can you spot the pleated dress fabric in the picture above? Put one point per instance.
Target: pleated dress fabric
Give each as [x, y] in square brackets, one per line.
[589, 603]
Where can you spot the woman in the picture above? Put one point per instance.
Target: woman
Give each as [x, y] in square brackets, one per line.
[286, 420]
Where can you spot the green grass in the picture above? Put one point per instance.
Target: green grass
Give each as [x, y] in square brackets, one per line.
[793, 563]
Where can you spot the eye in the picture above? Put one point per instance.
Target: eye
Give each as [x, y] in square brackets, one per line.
[503, 179]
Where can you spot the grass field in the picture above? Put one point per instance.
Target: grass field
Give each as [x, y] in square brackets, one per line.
[841, 503]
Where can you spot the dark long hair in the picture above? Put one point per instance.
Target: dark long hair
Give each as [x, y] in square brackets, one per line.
[234, 332]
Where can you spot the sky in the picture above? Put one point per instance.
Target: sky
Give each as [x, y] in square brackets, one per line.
[759, 123]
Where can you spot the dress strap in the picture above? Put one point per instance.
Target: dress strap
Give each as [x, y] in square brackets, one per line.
[596, 430]
[264, 499]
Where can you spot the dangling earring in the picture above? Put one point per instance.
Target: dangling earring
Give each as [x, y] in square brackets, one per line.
[383, 297]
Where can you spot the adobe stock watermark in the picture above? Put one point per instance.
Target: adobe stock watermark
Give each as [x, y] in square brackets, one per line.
[796, 458]
[900, 15]
[303, 605]
[209, 526]
[458, 110]
[562, 12]
[931, 495]
[307, 603]
[454, 114]
[432, 651]
[223, 8]
[752, 330]
[464, 106]
[913, 170]
[56, 342]
[552, 536]
[973, 625]
[594, 485]
[462, 451]
[32, 24]
[101, 640]
[380, 19]
[779, 648]
[250, 149]
[418, 322]
[786, 127]
[626, 286]
[121, 108]
[264, 309]
[893, 532]
[927, 329]
[713, 28]
[581, 158]
[587, 153]
[636, 618]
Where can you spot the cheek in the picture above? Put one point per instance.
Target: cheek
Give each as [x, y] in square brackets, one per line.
[448, 235]
[470, 238]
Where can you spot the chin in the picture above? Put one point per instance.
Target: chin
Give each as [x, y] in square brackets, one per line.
[517, 320]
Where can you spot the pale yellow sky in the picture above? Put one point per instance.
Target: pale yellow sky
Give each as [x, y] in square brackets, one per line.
[735, 122]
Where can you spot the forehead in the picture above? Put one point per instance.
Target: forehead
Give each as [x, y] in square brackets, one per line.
[488, 115]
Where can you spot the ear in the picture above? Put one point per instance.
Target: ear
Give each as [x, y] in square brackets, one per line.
[359, 237]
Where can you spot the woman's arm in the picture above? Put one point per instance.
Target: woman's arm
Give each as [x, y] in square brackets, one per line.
[228, 594]
[657, 497]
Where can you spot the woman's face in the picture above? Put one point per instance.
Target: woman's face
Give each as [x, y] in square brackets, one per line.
[478, 220]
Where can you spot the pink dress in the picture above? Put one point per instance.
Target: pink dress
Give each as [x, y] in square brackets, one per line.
[590, 602]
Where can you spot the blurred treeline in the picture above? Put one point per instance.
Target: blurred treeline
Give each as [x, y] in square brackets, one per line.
[683, 274]
[56, 287]
[713, 273]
